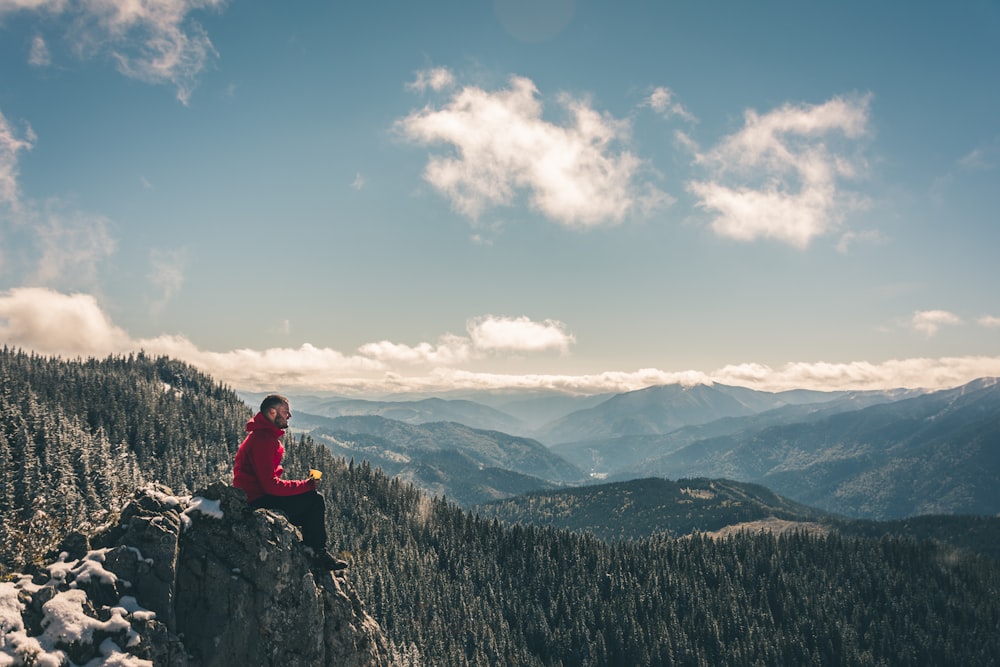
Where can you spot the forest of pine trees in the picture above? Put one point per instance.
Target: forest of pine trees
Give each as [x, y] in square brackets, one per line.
[77, 437]
[452, 588]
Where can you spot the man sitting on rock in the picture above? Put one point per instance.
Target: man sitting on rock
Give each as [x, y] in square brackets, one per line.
[258, 470]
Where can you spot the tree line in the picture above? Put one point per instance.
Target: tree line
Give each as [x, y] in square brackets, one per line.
[78, 436]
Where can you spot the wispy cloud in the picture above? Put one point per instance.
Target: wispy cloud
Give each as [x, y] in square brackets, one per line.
[167, 268]
[156, 42]
[39, 55]
[437, 79]
[851, 237]
[11, 144]
[662, 101]
[779, 176]
[575, 174]
[52, 323]
[72, 245]
[991, 321]
[929, 322]
[982, 158]
[62, 245]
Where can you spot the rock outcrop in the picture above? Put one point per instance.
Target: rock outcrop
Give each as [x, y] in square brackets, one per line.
[201, 581]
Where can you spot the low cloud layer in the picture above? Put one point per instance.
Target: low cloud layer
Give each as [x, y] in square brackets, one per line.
[52, 323]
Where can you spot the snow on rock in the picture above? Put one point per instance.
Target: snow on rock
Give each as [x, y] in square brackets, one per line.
[177, 583]
[63, 627]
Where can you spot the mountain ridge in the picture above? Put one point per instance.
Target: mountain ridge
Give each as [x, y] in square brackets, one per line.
[885, 461]
[465, 464]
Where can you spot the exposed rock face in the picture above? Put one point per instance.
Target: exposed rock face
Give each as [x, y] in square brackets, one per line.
[192, 582]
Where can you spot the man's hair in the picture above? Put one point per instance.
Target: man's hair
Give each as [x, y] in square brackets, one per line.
[272, 401]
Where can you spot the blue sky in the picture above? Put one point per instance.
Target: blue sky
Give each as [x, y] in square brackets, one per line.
[382, 197]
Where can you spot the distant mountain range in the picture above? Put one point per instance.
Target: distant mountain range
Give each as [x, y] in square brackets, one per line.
[933, 454]
[619, 455]
[871, 454]
[666, 408]
[423, 411]
[464, 464]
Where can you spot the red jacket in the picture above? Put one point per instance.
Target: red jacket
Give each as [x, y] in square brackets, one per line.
[258, 463]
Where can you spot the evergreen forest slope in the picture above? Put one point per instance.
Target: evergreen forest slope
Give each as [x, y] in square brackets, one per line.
[77, 437]
[933, 454]
[651, 506]
[450, 587]
[642, 508]
[466, 465]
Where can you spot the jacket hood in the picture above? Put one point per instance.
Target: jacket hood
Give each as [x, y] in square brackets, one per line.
[260, 422]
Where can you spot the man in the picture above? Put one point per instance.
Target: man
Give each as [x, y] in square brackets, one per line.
[258, 470]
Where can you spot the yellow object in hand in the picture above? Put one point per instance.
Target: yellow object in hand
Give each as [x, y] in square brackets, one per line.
[315, 474]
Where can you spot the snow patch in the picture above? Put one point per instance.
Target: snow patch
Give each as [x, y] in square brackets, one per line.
[212, 508]
[63, 619]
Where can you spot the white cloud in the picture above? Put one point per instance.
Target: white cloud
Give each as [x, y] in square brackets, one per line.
[519, 334]
[503, 147]
[438, 79]
[70, 325]
[48, 5]
[359, 182]
[11, 143]
[39, 55]
[448, 351]
[914, 373]
[53, 323]
[154, 41]
[930, 321]
[661, 100]
[989, 321]
[487, 334]
[793, 166]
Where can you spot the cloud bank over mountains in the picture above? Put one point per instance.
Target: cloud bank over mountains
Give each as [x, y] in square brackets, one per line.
[74, 325]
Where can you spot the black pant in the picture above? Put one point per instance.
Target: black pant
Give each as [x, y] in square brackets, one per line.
[306, 510]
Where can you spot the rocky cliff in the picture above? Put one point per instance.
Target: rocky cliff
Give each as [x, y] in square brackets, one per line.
[200, 581]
